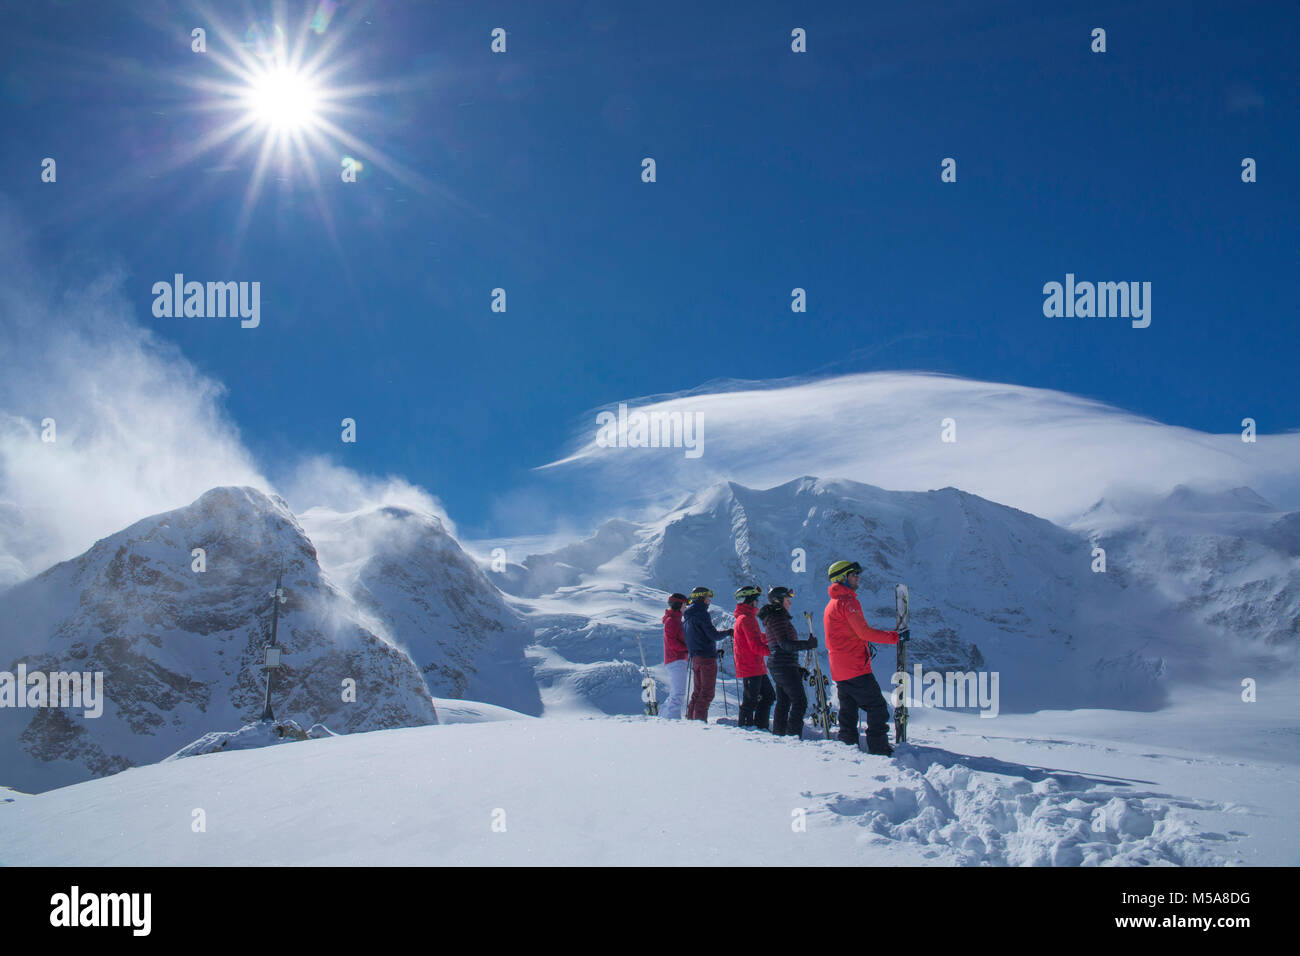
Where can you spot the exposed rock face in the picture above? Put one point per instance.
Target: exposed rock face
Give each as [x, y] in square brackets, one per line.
[181, 650]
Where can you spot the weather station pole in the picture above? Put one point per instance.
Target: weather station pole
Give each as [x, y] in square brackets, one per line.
[273, 649]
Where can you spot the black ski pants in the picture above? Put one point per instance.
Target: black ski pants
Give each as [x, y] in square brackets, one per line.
[791, 701]
[863, 692]
[756, 705]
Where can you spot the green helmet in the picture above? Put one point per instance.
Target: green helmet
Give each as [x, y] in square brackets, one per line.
[748, 592]
[842, 569]
[701, 592]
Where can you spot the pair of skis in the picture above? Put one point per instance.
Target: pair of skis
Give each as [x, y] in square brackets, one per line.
[823, 715]
[900, 712]
[648, 686]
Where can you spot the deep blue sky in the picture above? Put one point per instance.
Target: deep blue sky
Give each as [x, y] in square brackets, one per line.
[775, 170]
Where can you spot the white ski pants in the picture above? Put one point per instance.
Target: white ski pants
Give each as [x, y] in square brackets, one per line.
[672, 708]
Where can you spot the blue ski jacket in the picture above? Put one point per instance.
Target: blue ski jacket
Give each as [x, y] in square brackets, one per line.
[701, 636]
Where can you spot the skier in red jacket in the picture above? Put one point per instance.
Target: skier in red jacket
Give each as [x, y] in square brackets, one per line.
[674, 658]
[847, 638]
[750, 649]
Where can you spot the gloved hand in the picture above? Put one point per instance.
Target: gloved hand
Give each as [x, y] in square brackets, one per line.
[812, 641]
[729, 631]
[904, 636]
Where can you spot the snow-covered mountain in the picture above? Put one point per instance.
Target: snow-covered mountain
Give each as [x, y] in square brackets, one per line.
[181, 650]
[394, 602]
[1229, 559]
[416, 587]
[992, 587]
[540, 574]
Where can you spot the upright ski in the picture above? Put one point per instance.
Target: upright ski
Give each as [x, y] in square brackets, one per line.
[823, 715]
[648, 686]
[900, 712]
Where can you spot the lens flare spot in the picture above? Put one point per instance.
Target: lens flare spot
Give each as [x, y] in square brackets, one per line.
[266, 41]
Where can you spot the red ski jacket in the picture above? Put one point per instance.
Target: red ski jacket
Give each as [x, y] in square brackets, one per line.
[674, 642]
[750, 644]
[848, 633]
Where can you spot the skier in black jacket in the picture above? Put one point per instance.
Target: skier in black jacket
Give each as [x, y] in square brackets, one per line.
[783, 664]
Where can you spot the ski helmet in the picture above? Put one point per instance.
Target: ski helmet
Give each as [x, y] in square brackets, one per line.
[700, 593]
[676, 600]
[842, 569]
[779, 594]
[748, 593]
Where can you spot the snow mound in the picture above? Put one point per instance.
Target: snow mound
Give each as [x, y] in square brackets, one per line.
[472, 712]
[264, 733]
[984, 811]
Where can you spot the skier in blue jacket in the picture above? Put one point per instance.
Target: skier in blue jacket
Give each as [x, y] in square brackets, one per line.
[702, 643]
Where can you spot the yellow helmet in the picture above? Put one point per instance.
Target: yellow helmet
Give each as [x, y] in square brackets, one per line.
[842, 569]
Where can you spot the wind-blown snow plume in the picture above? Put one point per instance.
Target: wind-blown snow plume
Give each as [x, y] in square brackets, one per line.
[322, 490]
[1042, 451]
[137, 429]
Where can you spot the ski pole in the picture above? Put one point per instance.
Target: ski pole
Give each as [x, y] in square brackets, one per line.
[690, 671]
[726, 708]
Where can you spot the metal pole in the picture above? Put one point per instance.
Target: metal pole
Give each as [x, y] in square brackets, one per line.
[690, 672]
[277, 598]
[722, 676]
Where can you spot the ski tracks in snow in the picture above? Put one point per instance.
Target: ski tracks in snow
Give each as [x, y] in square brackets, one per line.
[985, 811]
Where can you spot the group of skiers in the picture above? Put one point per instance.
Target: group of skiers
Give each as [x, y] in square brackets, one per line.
[691, 647]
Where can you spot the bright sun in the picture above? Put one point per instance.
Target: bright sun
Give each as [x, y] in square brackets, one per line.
[284, 100]
[278, 97]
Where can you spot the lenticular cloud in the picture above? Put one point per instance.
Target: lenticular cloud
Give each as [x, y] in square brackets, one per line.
[1046, 452]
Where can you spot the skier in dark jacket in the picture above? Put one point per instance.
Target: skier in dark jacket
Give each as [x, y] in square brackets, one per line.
[702, 641]
[783, 664]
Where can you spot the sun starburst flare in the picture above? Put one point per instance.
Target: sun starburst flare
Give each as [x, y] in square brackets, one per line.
[279, 100]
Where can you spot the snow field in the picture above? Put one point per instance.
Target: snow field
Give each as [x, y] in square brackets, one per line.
[640, 791]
